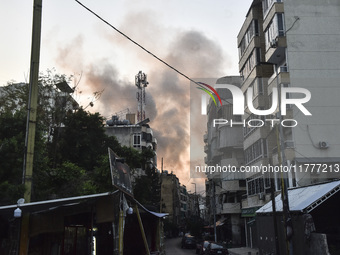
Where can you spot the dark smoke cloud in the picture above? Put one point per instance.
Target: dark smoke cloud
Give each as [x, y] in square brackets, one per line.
[168, 97]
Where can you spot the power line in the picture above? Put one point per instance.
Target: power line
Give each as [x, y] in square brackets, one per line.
[139, 45]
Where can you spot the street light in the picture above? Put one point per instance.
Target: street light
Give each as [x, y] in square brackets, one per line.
[17, 213]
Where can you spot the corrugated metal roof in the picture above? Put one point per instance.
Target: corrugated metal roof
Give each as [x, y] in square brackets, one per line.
[304, 199]
[48, 205]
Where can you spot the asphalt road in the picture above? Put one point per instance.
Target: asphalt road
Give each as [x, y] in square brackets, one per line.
[173, 247]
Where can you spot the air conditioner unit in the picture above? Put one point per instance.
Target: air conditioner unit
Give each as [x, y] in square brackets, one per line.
[261, 196]
[273, 43]
[323, 145]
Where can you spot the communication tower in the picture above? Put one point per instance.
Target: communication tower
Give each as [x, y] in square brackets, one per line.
[141, 83]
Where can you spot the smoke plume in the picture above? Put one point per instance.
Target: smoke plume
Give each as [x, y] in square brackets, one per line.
[168, 96]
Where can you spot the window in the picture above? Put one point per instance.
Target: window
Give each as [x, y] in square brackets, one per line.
[252, 61]
[256, 25]
[267, 181]
[279, 18]
[247, 130]
[137, 140]
[276, 28]
[242, 183]
[253, 30]
[255, 185]
[267, 4]
[256, 151]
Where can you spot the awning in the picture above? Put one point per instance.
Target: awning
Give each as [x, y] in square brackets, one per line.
[218, 223]
[159, 215]
[304, 199]
[317, 160]
[221, 222]
[49, 205]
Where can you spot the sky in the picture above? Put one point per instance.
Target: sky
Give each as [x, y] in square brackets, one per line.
[197, 37]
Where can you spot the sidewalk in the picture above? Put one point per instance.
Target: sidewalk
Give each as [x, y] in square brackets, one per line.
[243, 251]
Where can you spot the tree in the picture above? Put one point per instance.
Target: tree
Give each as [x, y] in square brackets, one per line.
[147, 188]
[71, 156]
[12, 133]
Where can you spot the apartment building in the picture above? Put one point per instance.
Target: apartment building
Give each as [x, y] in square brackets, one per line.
[131, 134]
[171, 200]
[224, 147]
[289, 44]
[184, 205]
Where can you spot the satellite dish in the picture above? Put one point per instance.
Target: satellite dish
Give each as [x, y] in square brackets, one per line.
[21, 201]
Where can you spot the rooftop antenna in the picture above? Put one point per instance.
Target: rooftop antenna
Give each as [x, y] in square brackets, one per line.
[141, 83]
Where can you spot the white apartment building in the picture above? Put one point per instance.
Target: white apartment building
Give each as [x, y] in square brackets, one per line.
[224, 146]
[293, 44]
[128, 133]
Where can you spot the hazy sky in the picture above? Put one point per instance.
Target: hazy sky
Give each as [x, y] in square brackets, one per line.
[198, 37]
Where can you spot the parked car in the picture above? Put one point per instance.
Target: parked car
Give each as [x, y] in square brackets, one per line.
[188, 241]
[201, 246]
[216, 248]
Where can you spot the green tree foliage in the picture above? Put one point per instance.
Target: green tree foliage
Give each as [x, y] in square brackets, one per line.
[12, 133]
[147, 188]
[71, 156]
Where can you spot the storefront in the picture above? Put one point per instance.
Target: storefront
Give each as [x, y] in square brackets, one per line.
[248, 214]
[82, 225]
[315, 222]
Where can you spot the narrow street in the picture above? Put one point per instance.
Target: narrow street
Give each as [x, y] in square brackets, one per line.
[173, 247]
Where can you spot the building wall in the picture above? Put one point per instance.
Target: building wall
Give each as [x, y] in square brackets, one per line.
[224, 147]
[313, 53]
[123, 133]
[170, 197]
[126, 136]
[299, 41]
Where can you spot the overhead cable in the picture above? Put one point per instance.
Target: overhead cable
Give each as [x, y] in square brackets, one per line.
[139, 45]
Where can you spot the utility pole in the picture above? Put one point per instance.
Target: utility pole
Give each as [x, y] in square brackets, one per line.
[197, 207]
[284, 179]
[214, 209]
[31, 120]
[272, 194]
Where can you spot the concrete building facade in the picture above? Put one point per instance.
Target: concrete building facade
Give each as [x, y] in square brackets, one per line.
[224, 146]
[290, 44]
[171, 198]
[138, 136]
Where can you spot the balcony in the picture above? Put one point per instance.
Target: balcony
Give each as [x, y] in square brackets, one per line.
[205, 137]
[255, 134]
[255, 43]
[231, 182]
[277, 7]
[288, 151]
[206, 160]
[228, 208]
[230, 137]
[255, 164]
[276, 50]
[252, 15]
[283, 78]
[206, 148]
